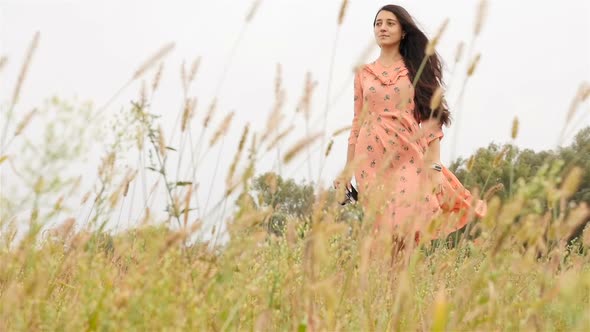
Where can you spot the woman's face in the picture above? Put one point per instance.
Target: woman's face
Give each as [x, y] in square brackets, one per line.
[388, 30]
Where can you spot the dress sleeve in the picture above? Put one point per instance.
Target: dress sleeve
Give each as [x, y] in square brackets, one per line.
[432, 130]
[358, 107]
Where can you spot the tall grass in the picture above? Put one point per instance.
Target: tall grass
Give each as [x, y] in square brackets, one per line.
[511, 270]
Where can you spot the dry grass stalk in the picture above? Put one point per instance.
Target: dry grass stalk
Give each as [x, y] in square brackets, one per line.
[175, 206]
[572, 182]
[122, 188]
[238, 155]
[249, 171]
[470, 163]
[25, 122]
[85, 197]
[147, 217]
[130, 177]
[514, 131]
[473, 65]
[584, 91]
[251, 218]
[139, 137]
[459, 52]
[278, 81]
[3, 159]
[105, 170]
[183, 75]
[79, 239]
[231, 186]
[305, 101]
[197, 223]
[188, 112]
[329, 148]
[272, 182]
[3, 61]
[194, 69]
[157, 77]
[63, 231]
[440, 312]
[75, 186]
[436, 99]
[500, 157]
[39, 185]
[243, 138]
[173, 239]
[431, 47]
[291, 153]
[143, 93]
[126, 189]
[25, 68]
[341, 131]
[187, 204]
[280, 137]
[482, 10]
[582, 94]
[275, 117]
[161, 142]
[252, 10]
[210, 113]
[586, 236]
[223, 128]
[263, 320]
[57, 206]
[114, 198]
[152, 60]
[343, 7]
[576, 219]
[274, 121]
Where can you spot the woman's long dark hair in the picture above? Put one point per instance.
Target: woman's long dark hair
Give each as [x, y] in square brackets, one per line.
[413, 50]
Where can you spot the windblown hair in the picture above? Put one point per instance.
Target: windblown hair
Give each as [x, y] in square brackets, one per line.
[413, 49]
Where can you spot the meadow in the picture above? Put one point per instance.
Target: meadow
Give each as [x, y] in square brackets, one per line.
[518, 268]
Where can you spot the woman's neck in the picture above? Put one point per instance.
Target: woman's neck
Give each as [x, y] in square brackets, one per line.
[389, 55]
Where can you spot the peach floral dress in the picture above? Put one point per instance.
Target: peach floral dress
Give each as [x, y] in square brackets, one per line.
[389, 145]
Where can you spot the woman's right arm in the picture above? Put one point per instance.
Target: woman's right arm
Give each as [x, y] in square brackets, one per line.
[350, 154]
[354, 131]
[358, 107]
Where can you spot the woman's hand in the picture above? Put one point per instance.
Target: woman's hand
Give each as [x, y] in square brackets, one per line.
[435, 181]
[346, 181]
[348, 193]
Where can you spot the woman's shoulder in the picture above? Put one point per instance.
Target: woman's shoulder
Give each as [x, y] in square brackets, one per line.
[387, 75]
[360, 68]
[367, 66]
[366, 70]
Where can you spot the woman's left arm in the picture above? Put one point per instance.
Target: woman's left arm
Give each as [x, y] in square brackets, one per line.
[433, 167]
[432, 154]
[434, 134]
[432, 131]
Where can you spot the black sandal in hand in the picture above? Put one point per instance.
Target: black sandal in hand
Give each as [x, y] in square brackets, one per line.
[351, 195]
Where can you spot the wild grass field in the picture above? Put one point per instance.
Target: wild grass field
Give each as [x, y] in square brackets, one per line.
[295, 260]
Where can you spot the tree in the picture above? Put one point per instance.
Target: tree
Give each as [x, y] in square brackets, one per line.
[285, 198]
[496, 163]
[578, 154]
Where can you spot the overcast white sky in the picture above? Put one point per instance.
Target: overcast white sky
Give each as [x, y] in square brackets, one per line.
[535, 53]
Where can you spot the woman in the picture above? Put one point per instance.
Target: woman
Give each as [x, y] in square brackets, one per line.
[394, 143]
